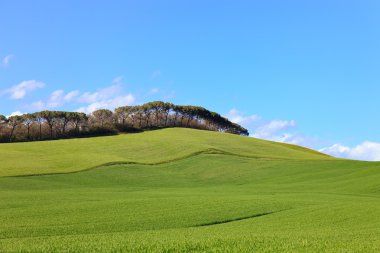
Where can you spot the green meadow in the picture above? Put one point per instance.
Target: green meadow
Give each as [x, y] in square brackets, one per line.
[184, 190]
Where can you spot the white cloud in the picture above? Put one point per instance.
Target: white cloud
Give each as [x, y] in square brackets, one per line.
[16, 113]
[108, 97]
[55, 99]
[263, 129]
[7, 60]
[240, 118]
[59, 98]
[112, 103]
[71, 95]
[19, 91]
[270, 129]
[368, 151]
[298, 139]
[284, 131]
[101, 94]
[274, 130]
[93, 101]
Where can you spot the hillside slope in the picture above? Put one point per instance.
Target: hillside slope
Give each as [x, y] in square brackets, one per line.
[150, 147]
[193, 191]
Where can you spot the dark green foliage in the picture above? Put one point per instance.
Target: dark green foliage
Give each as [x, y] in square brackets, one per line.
[127, 129]
[2, 119]
[99, 131]
[159, 114]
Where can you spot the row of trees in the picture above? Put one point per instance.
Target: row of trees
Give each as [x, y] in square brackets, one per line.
[41, 126]
[59, 124]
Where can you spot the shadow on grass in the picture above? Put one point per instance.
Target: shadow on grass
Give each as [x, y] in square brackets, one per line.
[236, 219]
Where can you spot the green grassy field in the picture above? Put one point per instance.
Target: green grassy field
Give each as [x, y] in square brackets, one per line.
[183, 190]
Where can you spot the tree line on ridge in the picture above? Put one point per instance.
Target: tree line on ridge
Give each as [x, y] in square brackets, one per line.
[48, 125]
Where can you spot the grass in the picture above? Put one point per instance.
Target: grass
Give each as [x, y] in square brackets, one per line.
[213, 193]
[149, 147]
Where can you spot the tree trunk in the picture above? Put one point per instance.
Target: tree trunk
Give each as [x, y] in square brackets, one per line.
[76, 127]
[188, 122]
[133, 121]
[11, 135]
[166, 120]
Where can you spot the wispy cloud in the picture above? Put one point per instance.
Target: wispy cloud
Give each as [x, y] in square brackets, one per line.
[274, 130]
[108, 97]
[284, 131]
[71, 95]
[368, 151]
[273, 127]
[110, 103]
[20, 90]
[239, 117]
[59, 98]
[259, 127]
[101, 94]
[6, 60]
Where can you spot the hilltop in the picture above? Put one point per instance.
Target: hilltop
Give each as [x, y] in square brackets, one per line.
[151, 147]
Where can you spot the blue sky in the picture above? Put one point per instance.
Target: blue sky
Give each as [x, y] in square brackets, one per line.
[304, 72]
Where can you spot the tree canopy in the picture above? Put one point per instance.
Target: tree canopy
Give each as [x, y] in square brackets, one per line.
[157, 114]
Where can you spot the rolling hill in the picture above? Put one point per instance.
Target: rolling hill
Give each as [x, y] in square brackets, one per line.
[181, 190]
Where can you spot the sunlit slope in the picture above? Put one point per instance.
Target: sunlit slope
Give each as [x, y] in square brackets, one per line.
[183, 190]
[149, 147]
[203, 203]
